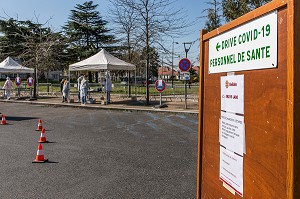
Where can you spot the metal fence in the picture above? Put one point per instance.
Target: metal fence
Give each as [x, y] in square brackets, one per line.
[121, 90]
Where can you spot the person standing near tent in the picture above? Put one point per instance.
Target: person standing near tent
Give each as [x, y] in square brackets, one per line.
[62, 85]
[8, 86]
[78, 86]
[83, 90]
[107, 88]
[65, 91]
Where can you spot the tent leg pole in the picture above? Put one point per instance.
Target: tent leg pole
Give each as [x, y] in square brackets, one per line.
[135, 82]
[69, 78]
[129, 85]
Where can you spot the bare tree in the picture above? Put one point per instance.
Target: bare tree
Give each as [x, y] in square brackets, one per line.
[155, 20]
[126, 20]
[43, 51]
[37, 46]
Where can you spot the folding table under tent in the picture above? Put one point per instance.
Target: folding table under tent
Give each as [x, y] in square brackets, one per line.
[11, 66]
[102, 61]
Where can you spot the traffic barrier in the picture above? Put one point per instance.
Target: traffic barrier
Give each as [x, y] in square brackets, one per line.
[39, 127]
[40, 155]
[3, 121]
[43, 137]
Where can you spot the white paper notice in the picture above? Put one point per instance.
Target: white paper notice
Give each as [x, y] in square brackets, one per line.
[232, 93]
[232, 132]
[231, 170]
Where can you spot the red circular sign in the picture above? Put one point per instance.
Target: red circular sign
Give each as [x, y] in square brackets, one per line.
[160, 85]
[30, 81]
[184, 64]
[18, 81]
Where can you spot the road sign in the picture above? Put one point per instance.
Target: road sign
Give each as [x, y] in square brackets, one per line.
[184, 75]
[184, 64]
[18, 81]
[160, 85]
[30, 81]
[250, 46]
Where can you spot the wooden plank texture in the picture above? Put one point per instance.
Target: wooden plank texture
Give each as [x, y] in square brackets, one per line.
[200, 117]
[293, 149]
[290, 101]
[265, 161]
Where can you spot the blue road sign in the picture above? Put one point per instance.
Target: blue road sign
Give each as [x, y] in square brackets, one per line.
[184, 64]
[160, 85]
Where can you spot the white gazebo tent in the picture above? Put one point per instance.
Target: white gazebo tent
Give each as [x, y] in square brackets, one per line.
[102, 61]
[11, 66]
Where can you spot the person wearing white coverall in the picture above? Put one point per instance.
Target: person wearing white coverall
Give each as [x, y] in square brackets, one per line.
[84, 90]
[107, 88]
[8, 86]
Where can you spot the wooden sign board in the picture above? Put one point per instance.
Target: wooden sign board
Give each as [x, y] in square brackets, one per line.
[270, 166]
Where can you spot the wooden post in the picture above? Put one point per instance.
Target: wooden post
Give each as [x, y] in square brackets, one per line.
[200, 115]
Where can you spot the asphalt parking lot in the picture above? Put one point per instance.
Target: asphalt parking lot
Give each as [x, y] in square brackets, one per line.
[97, 153]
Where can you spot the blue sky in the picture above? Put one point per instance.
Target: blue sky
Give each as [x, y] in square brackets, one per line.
[59, 10]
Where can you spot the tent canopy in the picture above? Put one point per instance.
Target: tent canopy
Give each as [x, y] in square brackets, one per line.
[101, 61]
[11, 66]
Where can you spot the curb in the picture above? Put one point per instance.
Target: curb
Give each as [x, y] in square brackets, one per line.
[110, 107]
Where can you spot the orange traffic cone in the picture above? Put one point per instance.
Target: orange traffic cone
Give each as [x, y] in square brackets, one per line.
[43, 136]
[40, 155]
[39, 127]
[3, 121]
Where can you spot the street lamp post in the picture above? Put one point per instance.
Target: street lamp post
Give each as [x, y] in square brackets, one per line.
[187, 46]
[172, 76]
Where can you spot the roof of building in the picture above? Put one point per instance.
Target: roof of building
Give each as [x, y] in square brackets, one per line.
[165, 70]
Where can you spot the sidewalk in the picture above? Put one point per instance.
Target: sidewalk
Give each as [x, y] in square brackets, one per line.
[118, 103]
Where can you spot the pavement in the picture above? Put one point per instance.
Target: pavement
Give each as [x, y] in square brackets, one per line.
[97, 153]
[174, 104]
